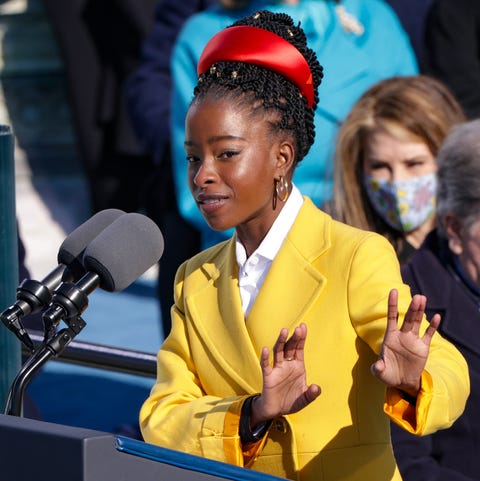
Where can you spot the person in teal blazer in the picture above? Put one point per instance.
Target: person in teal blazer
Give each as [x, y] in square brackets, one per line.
[368, 45]
[238, 379]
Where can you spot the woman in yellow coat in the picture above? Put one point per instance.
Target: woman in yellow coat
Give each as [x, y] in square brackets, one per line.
[313, 407]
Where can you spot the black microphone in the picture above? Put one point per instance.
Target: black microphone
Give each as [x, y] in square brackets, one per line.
[118, 256]
[33, 295]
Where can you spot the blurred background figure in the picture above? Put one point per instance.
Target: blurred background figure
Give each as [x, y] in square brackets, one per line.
[412, 14]
[447, 270]
[100, 42]
[33, 102]
[385, 159]
[452, 49]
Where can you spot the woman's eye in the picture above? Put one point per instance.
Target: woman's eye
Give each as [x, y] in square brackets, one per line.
[228, 154]
[415, 165]
[378, 164]
[191, 159]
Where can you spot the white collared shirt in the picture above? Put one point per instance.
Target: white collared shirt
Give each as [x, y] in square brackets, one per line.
[252, 271]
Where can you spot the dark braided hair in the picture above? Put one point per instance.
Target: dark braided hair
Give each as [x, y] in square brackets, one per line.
[263, 88]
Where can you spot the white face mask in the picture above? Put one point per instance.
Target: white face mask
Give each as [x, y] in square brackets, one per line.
[404, 205]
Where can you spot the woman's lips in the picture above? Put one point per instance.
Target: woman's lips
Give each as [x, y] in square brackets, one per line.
[211, 203]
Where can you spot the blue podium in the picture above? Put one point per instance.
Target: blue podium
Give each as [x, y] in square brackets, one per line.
[33, 450]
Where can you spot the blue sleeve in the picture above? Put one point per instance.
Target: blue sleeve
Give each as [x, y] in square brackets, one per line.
[148, 89]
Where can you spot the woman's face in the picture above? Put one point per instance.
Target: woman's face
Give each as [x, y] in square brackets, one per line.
[233, 159]
[388, 158]
[399, 177]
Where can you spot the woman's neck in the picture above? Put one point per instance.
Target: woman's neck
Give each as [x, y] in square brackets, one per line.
[252, 233]
[417, 236]
[251, 238]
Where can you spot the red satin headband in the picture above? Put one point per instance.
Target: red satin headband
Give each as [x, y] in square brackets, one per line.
[260, 47]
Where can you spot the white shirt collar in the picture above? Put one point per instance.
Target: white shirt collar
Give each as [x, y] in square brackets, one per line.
[272, 242]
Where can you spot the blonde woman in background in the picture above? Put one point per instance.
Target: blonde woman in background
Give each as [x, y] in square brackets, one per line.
[385, 168]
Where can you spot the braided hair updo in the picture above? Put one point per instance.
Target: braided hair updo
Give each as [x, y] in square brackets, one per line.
[263, 88]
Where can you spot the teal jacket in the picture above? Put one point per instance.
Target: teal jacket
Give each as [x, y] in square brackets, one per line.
[351, 62]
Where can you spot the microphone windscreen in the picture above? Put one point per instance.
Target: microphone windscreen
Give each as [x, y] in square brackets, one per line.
[124, 251]
[71, 250]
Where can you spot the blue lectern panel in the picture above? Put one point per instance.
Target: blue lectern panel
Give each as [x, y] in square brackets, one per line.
[187, 461]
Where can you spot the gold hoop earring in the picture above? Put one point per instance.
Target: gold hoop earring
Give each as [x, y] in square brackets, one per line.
[281, 190]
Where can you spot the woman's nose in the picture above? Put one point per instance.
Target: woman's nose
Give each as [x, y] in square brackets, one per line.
[398, 174]
[205, 173]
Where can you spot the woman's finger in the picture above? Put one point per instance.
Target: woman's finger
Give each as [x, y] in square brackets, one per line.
[392, 313]
[279, 347]
[432, 328]
[264, 361]
[294, 346]
[414, 315]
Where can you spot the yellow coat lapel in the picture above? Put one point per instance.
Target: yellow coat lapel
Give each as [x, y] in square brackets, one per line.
[293, 283]
[216, 310]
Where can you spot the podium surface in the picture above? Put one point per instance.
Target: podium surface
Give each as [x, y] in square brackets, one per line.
[33, 450]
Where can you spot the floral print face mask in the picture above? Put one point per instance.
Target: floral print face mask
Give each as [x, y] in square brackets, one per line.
[406, 204]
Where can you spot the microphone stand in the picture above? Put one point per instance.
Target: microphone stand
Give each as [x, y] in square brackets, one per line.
[51, 347]
[68, 302]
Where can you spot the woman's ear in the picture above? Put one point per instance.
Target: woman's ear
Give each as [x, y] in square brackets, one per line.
[453, 229]
[285, 158]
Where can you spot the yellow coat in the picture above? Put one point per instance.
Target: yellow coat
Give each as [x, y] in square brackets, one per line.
[336, 279]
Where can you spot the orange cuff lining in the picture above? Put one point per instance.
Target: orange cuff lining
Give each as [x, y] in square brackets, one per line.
[410, 417]
[235, 452]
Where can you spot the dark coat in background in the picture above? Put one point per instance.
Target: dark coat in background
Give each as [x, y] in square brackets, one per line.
[100, 43]
[452, 50]
[148, 88]
[412, 14]
[452, 454]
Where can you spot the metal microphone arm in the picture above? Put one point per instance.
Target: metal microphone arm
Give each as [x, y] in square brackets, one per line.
[52, 347]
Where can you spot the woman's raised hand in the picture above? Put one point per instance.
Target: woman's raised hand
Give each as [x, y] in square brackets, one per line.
[285, 389]
[404, 352]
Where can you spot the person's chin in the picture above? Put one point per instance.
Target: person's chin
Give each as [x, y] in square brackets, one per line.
[214, 214]
[218, 222]
[218, 225]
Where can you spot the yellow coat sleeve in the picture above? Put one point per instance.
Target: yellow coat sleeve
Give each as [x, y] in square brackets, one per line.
[445, 384]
